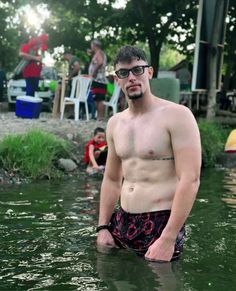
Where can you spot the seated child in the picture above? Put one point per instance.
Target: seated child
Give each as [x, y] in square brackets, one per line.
[96, 152]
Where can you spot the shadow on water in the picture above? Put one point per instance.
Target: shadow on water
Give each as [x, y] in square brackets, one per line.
[48, 241]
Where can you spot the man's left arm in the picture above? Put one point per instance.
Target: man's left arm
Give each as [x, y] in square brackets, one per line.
[186, 144]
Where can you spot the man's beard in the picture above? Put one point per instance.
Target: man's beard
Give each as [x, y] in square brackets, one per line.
[135, 96]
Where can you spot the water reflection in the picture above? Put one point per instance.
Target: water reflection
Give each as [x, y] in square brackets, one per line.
[230, 185]
[123, 270]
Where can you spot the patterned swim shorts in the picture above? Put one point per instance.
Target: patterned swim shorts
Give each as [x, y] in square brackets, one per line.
[140, 230]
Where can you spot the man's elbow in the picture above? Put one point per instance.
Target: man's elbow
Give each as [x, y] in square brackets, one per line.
[194, 182]
[114, 177]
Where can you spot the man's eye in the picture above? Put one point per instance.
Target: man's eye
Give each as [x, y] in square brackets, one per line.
[137, 70]
[123, 72]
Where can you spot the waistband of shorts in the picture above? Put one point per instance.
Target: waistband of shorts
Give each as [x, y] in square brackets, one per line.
[159, 212]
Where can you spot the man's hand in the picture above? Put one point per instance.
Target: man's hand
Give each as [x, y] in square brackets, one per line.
[161, 250]
[96, 167]
[105, 239]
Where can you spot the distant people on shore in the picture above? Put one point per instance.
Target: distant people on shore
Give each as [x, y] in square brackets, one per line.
[73, 64]
[73, 71]
[31, 63]
[97, 71]
[73, 68]
[96, 152]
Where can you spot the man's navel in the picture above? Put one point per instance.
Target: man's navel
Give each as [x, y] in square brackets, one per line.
[131, 188]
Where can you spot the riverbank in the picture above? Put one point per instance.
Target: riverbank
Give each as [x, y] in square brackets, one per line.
[78, 133]
[66, 128]
[213, 137]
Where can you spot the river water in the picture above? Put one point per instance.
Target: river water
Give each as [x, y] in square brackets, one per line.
[47, 241]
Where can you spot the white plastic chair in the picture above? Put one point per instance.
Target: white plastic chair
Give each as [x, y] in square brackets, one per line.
[79, 94]
[113, 102]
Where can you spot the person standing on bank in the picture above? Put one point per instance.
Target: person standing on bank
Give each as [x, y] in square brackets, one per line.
[31, 54]
[153, 167]
[73, 69]
[97, 71]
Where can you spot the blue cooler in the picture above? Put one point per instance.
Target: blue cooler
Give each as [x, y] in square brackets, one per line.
[28, 107]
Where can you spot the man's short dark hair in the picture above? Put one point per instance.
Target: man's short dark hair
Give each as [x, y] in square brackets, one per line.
[128, 53]
[98, 129]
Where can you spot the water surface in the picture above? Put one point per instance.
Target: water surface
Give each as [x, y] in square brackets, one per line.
[48, 238]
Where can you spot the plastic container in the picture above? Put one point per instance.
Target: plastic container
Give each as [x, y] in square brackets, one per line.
[28, 106]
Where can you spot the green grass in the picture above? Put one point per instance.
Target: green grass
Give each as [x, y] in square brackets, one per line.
[33, 154]
[213, 138]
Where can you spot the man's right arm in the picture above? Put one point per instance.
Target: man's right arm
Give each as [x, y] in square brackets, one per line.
[110, 189]
[28, 54]
[29, 57]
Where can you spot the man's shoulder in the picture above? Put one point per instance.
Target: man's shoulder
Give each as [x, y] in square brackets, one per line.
[176, 115]
[171, 110]
[179, 108]
[118, 116]
[115, 119]
[170, 105]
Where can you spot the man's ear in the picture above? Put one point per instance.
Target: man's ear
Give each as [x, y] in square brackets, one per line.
[150, 72]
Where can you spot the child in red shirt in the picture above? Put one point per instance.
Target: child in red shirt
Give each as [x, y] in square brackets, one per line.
[96, 151]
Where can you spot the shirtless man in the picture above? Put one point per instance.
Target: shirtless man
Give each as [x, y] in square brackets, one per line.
[153, 167]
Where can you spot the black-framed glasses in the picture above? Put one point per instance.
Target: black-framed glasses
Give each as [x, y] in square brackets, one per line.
[136, 71]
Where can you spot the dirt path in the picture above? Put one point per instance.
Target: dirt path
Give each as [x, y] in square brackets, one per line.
[10, 124]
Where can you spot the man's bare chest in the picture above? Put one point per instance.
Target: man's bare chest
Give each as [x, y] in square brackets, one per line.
[148, 141]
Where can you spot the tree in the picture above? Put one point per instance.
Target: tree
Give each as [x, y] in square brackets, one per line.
[230, 49]
[8, 37]
[212, 67]
[151, 22]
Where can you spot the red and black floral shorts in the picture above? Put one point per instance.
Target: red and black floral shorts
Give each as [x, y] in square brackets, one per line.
[138, 231]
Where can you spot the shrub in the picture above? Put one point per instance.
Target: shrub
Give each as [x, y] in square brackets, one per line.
[213, 138]
[33, 154]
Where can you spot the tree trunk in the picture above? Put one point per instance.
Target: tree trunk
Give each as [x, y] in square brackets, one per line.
[155, 56]
[212, 64]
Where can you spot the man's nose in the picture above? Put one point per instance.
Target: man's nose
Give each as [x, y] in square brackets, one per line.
[131, 76]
